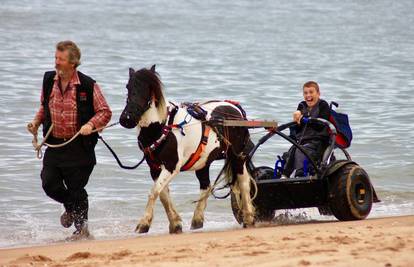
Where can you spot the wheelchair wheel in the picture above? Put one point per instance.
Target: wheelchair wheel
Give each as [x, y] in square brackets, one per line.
[351, 193]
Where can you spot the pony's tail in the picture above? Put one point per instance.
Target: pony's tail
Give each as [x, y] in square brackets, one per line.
[229, 175]
[231, 179]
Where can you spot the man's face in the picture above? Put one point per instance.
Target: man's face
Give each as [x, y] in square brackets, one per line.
[62, 63]
[311, 96]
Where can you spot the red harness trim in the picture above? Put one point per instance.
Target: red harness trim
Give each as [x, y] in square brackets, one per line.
[233, 102]
[152, 161]
[200, 149]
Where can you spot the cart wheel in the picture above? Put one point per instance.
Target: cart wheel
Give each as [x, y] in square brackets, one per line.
[351, 193]
[263, 214]
[238, 214]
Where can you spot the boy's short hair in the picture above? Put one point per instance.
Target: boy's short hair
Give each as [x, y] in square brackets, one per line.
[312, 84]
[73, 51]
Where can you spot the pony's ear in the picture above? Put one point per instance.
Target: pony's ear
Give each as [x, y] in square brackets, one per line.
[153, 68]
[131, 72]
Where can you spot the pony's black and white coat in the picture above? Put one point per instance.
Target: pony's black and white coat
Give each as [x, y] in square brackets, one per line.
[147, 109]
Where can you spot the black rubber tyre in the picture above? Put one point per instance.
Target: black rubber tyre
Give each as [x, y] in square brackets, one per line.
[238, 215]
[351, 193]
[262, 213]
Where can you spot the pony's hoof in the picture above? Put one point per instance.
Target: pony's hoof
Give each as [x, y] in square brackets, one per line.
[142, 228]
[197, 225]
[176, 229]
[248, 225]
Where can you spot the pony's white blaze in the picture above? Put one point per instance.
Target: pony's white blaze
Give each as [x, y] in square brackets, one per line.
[153, 114]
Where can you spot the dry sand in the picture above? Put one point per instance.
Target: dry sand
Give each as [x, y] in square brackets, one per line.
[372, 242]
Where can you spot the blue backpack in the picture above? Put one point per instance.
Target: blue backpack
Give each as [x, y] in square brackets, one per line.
[341, 123]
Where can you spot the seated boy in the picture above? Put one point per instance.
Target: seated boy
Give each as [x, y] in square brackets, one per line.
[314, 137]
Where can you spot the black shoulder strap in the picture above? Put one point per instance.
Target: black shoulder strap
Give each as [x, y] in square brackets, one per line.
[48, 80]
[84, 98]
[84, 102]
[172, 114]
[86, 81]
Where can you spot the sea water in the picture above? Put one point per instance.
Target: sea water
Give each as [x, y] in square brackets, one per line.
[256, 52]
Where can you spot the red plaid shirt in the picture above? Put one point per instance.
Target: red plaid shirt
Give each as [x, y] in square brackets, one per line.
[63, 109]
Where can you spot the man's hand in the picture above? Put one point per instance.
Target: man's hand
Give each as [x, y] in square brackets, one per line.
[297, 115]
[33, 126]
[86, 129]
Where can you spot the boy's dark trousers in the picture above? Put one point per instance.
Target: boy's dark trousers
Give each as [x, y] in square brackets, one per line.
[295, 158]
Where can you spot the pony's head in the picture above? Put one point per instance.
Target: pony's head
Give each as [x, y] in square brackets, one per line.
[145, 100]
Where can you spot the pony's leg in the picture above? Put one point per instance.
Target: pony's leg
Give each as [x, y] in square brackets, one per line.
[198, 217]
[243, 181]
[163, 180]
[173, 217]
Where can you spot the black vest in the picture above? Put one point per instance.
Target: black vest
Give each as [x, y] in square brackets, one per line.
[84, 103]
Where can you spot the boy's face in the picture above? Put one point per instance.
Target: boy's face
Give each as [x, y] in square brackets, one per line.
[311, 96]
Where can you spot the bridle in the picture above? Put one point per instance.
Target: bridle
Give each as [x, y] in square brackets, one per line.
[142, 110]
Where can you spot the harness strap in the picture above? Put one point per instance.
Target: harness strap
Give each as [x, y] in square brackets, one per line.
[171, 114]
[148, 151]
[165, 131]
[200, 149]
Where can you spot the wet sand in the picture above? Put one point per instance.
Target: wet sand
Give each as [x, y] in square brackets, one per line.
[372, 242]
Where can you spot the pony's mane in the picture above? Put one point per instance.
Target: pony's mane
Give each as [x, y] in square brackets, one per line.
[154, 83]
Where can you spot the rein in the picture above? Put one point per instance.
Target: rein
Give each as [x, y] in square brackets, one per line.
[117, 159]
[38, 147]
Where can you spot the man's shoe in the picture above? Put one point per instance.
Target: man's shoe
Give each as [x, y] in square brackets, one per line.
[66, 219]
[79, 234]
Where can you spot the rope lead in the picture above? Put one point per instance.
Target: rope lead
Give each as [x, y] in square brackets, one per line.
[38, 147]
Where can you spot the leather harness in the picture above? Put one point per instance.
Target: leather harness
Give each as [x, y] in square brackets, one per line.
[168, 127]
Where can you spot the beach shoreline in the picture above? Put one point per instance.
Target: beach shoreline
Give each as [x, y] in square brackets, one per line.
[372, 242]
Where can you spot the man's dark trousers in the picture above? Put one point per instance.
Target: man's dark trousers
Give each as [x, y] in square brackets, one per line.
[65, 173]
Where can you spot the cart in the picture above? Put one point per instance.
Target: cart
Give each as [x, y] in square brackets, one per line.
[340, 188]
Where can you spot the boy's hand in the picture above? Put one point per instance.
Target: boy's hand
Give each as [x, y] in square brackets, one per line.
[297, 116]
[271, 129]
